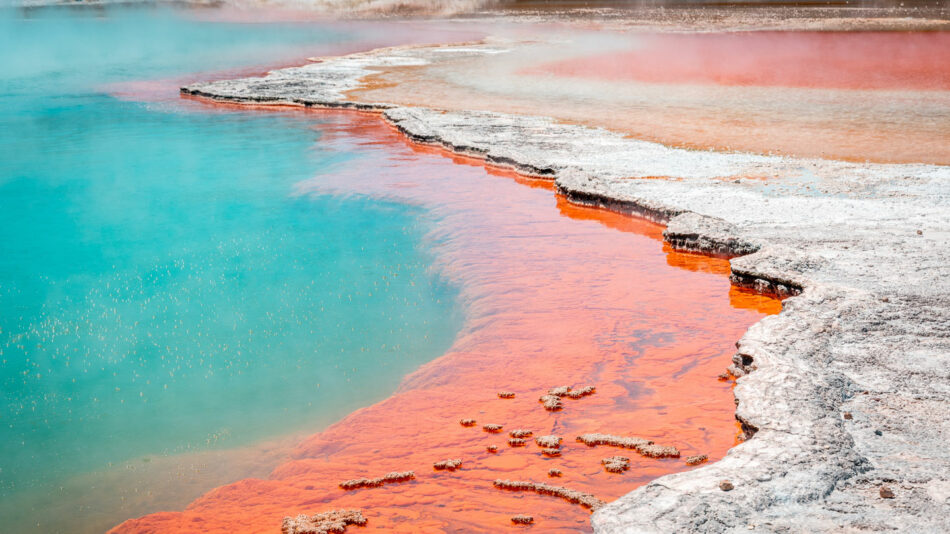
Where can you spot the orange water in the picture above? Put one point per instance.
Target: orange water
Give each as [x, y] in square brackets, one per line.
[556, 294]
[831, 60]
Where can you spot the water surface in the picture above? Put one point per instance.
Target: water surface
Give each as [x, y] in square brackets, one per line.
[556, 294]
[164, 292]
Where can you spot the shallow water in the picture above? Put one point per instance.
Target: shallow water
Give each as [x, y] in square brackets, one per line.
[164, 292]
[276, 270]
[557, 295]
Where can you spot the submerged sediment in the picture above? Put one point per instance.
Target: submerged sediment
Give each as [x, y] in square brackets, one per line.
[577, 497]
[862, 249]
[390, 478]
[332, 522]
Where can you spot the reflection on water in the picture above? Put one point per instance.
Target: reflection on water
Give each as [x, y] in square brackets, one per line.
[557, 294]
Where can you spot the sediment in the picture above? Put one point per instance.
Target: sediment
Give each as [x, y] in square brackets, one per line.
[390, 478]
[645, 447]
[860, 250]
[697, 459]
[447, 465]
[522, 519]
[332, 522]
[548, 442]
[577, 497]
[616, 464]
[551, 403]
[631, 442]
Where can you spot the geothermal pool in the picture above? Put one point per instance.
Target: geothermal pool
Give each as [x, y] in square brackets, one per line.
[163, 290]
[190, 294]
[555, 294]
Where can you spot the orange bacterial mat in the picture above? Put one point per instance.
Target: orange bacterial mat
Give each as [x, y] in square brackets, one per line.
[554, 294]
[833, 60]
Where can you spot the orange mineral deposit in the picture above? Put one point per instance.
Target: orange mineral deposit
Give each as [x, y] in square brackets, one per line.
[555, 295]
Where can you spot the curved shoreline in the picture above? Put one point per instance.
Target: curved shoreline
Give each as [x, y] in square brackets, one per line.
[868, 258]
[522, 264]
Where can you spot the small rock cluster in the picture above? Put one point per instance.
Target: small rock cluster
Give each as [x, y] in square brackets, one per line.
[659, 451]
[645, 447]
[616, 464]
[696, 460]
[548, 442]
[332, 522]
[448, 465]
[580, 393]
[337, 520]
[390, 478]
[552, 400]
[584, 499]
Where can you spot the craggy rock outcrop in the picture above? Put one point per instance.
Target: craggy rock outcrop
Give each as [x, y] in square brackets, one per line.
[708, 235]
[577, 497]
[520, 433]
[332, 522]
[863, 250]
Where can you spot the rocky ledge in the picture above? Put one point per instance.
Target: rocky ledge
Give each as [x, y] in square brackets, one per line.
[843, 396]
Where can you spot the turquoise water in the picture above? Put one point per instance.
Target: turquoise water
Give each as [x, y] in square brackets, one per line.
[162, 290]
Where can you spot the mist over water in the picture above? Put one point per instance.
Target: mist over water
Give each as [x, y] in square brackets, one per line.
[162, 288]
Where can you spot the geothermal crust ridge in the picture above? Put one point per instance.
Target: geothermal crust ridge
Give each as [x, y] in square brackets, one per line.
[842, 393]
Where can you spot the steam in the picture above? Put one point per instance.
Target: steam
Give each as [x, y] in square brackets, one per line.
[396, 7]
[343, 8]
